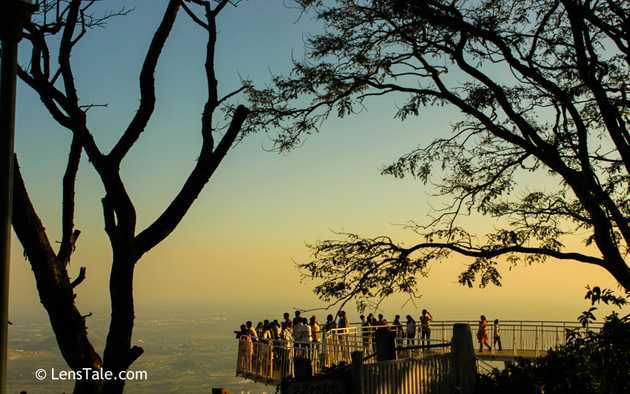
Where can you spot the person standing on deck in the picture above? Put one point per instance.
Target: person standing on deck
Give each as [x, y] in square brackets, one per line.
[250, 330]
[297, 318]
[343, 333]
[275, 329]
[266, 332]
[315, 329]
[425, 326]
[259, 329]
[343, 320]
[482, 333]
[330, 323]
[496, 333]
[286, 338]
[307, 334]
[331, 341]
[398, 326]
[241, 332]
[286, 317]
[299, 332]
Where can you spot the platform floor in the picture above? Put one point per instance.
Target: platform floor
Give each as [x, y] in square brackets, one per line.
[507, 354]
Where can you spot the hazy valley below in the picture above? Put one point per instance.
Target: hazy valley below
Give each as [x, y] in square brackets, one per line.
[181, 356]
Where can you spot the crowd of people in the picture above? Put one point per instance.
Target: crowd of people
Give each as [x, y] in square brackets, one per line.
[301, 330]
[297, 329]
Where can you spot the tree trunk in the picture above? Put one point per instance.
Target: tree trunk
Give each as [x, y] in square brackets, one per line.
[54, 287]
[620, 271]
[589, 194]
[119, 354]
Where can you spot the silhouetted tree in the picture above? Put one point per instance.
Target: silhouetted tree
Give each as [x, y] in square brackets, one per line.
[542, 87]
[54, 33]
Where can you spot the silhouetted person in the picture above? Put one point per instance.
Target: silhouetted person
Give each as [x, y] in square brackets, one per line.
[275, 329]
[482, 333]
[496, 333]
[330, 323]
[302, 332]
[266, 331]
[259, 329]
[315, 329]
[286, 317]
[425, 326]
[343, 320]
[241, 332]
[398, 326]
[297, 318]
[287, 331]
[250, 330]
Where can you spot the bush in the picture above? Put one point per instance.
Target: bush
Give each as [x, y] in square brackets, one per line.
[590, 363]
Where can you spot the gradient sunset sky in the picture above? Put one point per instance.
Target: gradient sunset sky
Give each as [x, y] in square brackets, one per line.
[236, 250]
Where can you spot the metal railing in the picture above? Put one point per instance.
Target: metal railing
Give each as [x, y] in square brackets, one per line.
[517, 336]
[425, 375]
[271, 360]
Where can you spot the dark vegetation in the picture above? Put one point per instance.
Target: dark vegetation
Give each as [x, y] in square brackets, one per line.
[590, 362]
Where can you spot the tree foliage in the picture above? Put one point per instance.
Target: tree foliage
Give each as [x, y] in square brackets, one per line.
[542, 89]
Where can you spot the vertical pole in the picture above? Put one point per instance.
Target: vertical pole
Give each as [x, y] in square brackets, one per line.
[357, 372]
[463, 359]
[7, 125]
[14, 14]
[521, 337]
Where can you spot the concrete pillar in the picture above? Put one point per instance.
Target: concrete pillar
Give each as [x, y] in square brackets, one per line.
[357, 371]
[463, 359]
[385, 345]
[302, 368]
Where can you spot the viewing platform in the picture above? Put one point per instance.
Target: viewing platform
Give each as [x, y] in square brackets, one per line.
[269, 361]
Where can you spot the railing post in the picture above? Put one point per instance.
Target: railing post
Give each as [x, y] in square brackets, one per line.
[463, 359]
[357, 372]
[513, 339]
[536, 340]
[555, 345]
